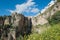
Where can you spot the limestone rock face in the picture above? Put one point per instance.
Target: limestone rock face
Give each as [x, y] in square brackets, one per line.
[42, 18]
[39, 20]
[6, 22]
[21, 23]
[17, 19]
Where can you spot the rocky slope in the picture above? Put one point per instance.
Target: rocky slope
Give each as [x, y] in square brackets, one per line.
[19, 21]
[22, 25]
[16, 24]
[42, 18]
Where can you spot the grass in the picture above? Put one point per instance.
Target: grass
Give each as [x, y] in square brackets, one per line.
[53, 33]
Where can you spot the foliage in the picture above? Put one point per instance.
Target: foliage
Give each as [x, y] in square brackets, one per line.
[55, 18]
[52, 33]
[4, 17]
[20, 38]
[58, 0]
[5, 30]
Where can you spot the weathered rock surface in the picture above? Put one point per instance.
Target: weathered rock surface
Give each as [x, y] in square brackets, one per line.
[21, 22]
[21, 25]
[42, 17]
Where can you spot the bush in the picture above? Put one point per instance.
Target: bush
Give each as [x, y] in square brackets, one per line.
[55, 18]
[52, 33]
[58, 0]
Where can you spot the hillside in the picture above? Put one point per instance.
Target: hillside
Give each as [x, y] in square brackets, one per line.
[52, 33]
[42, 18]
[44, 26]
[46, 32]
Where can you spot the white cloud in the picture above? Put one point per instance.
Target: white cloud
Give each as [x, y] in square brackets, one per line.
[11, 11]
[35, 10]
[27, 7]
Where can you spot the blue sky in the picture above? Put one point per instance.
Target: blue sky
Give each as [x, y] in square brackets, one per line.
[26, 7]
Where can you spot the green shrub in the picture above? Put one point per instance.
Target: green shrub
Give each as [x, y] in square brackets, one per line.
[58, 0]
[52, 33]
[55, 18]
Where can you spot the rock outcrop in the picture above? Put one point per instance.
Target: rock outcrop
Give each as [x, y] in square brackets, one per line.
[21, 22]
[42, 18]
[17, 24]
[21, 25]
[7, 21]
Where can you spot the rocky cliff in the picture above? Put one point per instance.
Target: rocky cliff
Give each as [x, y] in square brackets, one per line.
[17, 24]
[22, 25]
[42, 18]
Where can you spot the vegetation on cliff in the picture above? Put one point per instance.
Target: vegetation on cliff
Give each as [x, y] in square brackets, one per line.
[52, 33]
[58, 0]
[55, 18]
